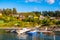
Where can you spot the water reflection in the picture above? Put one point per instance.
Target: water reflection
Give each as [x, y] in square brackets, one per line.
[35, 36]
[22, 36]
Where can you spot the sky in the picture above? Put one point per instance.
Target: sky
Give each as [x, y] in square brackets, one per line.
[31, 5]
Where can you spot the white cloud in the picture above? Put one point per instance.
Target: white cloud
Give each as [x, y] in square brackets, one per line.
[50, 1]
[37, 1]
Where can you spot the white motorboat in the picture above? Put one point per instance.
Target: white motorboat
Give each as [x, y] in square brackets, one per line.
[22, 30]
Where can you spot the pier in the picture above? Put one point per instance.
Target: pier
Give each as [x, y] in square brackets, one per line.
[19, 30]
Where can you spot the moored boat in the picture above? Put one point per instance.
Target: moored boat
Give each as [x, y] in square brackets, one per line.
[32, 32]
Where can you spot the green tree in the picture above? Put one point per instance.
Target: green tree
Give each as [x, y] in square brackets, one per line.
[57, 13]
[14, 11]
[38, 13]
[4, 12]
[46, 22]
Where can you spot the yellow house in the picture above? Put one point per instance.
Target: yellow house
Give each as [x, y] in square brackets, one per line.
[35, 17]
[0, 14]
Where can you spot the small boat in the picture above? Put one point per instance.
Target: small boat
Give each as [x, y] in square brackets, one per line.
[22, 30]
[13, 31]
[33, 32]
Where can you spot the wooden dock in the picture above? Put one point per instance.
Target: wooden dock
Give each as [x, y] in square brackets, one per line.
[18, 29]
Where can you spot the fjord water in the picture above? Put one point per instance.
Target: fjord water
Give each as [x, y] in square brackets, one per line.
[40, 36]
